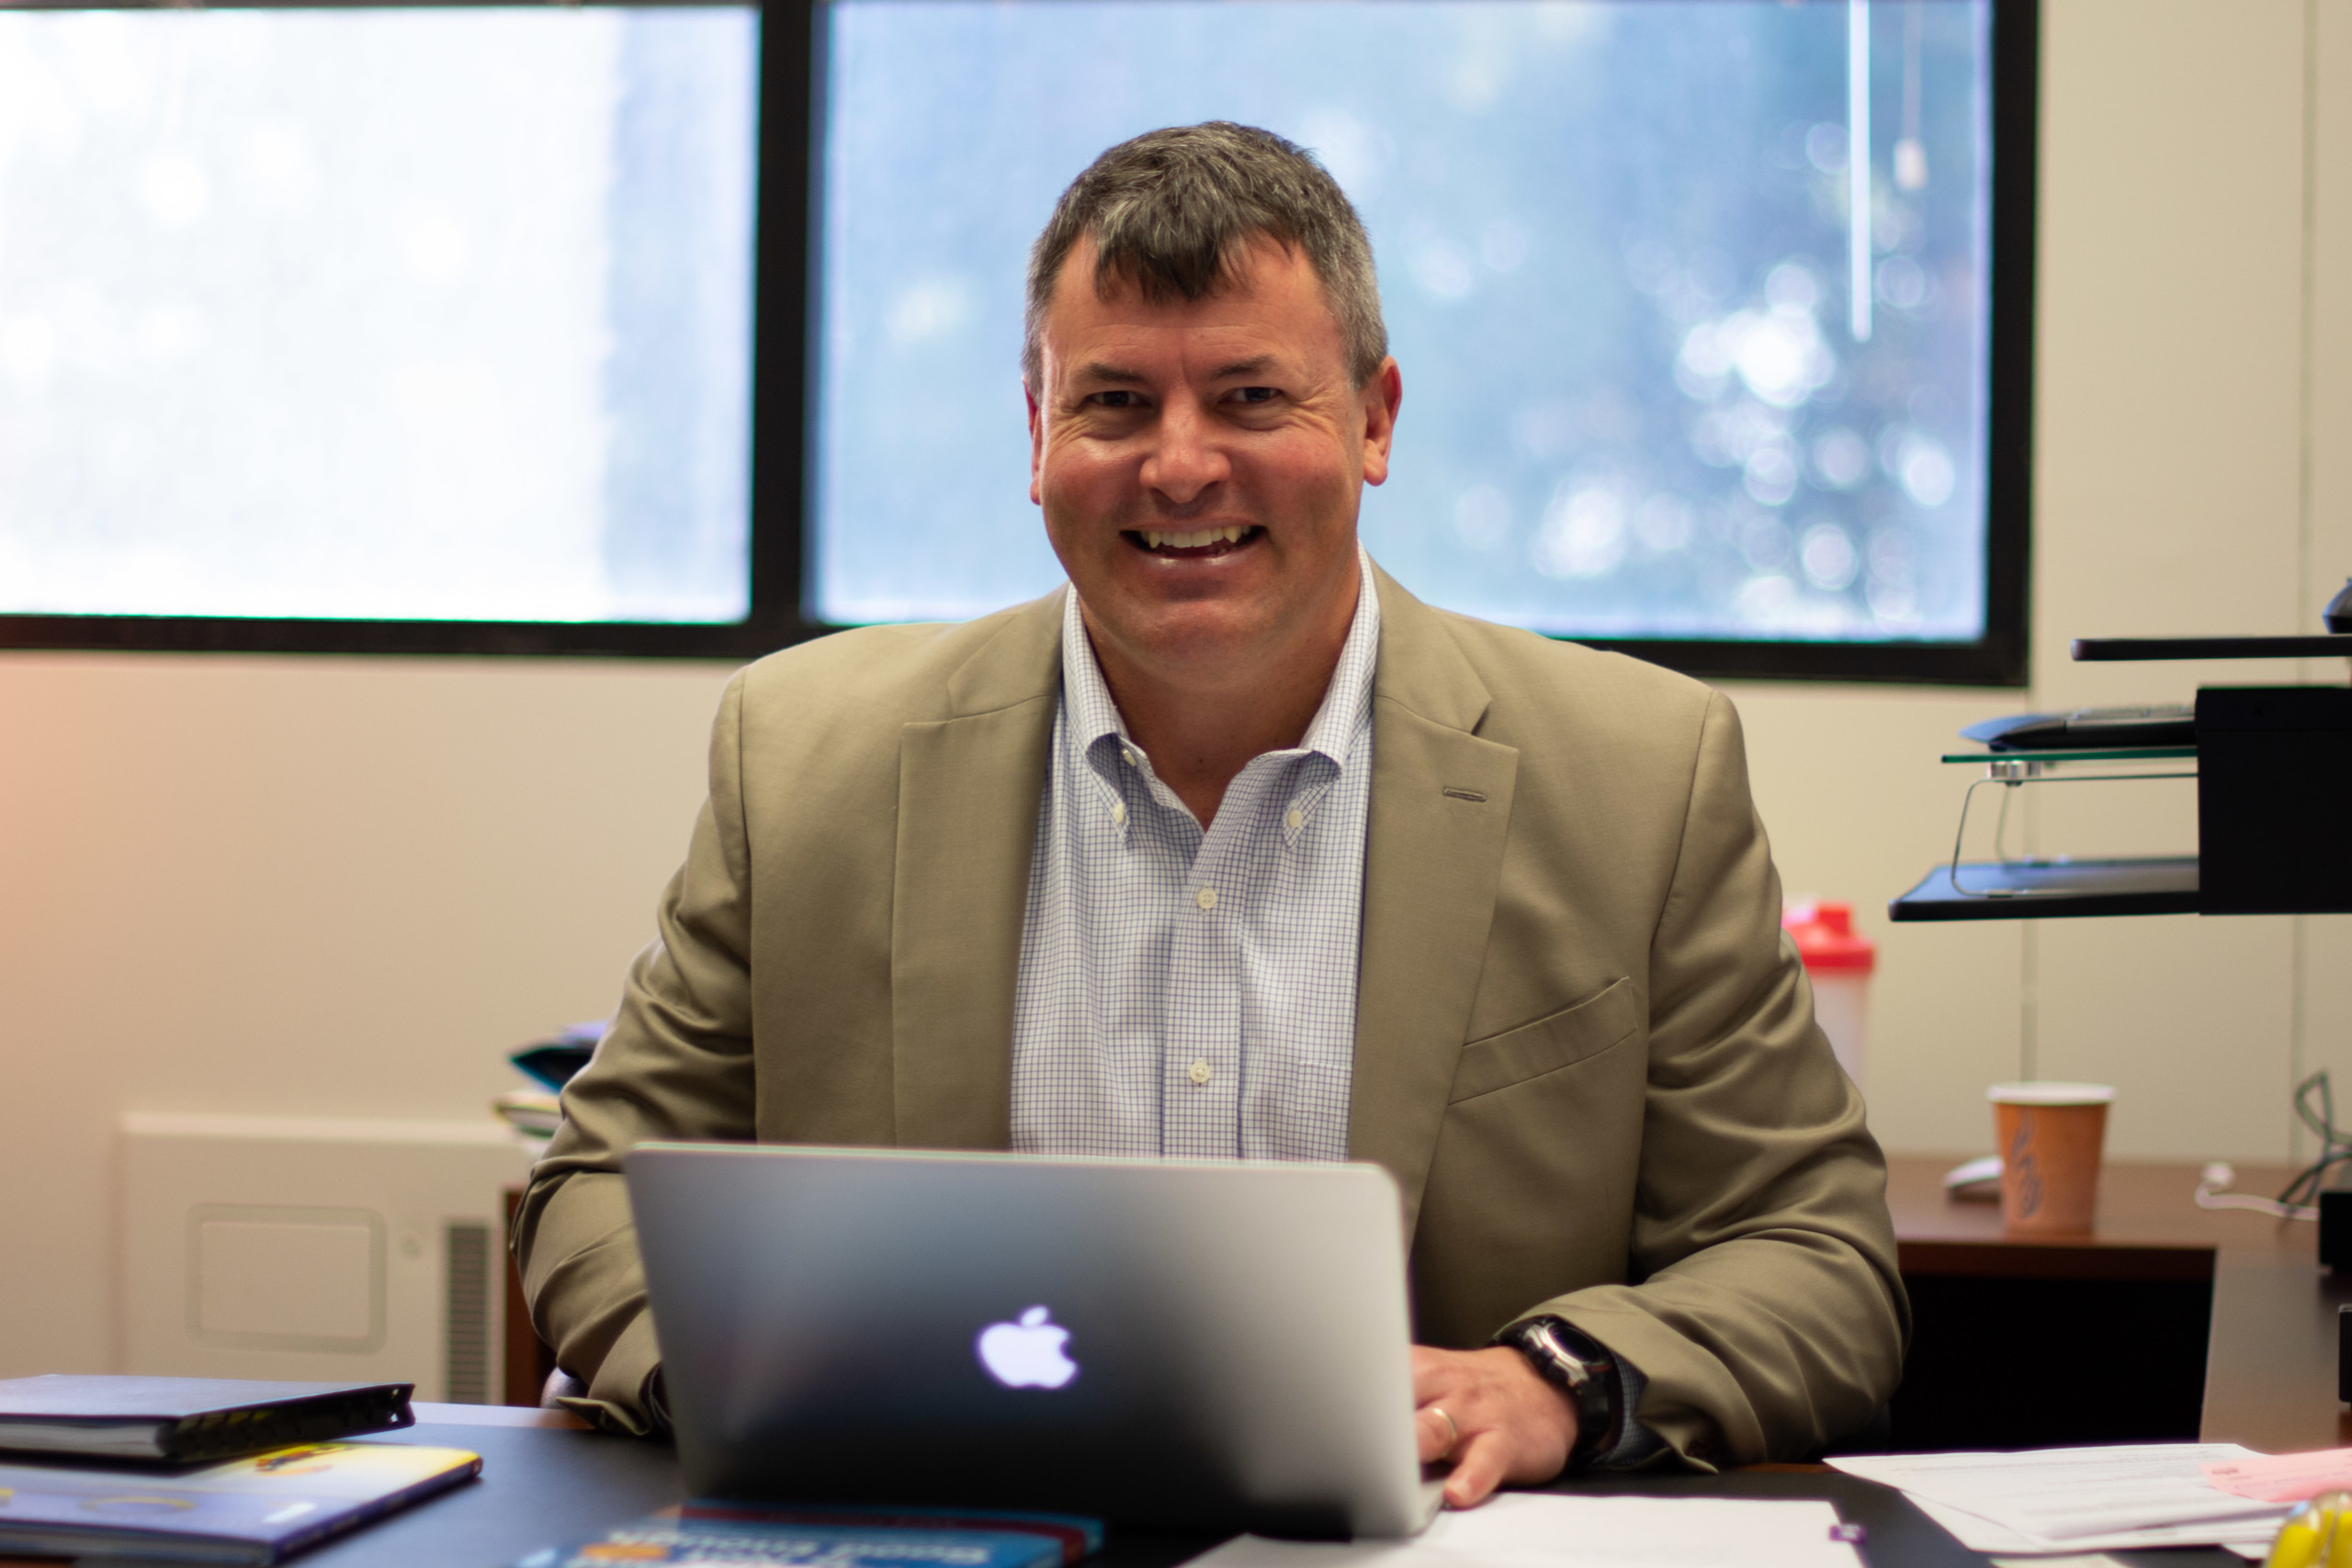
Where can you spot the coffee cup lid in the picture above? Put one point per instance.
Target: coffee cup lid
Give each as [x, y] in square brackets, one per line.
[2051, 1093]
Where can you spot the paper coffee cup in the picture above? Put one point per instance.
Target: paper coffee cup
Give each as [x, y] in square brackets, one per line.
[2051, 1137]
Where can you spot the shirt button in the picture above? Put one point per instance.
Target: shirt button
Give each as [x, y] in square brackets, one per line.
[1293, 818]
[1199, 1075]
[1127, 756]
[1119, 812]
[1205, 898]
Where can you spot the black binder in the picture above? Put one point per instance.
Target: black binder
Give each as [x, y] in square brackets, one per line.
[185, 1419]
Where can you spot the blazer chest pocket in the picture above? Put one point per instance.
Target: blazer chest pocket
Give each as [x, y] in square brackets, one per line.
[1558, 1040]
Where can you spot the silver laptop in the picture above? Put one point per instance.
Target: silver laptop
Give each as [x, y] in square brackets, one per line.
[1195, 1346]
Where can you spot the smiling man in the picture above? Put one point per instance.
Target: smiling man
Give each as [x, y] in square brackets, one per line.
[1235, 849]
[1199, 460]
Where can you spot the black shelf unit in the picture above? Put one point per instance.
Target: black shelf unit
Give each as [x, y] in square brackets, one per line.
[2024, 889]
[2274, 807]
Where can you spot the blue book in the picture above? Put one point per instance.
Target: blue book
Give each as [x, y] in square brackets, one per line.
[739, 1535]
[254, 1509]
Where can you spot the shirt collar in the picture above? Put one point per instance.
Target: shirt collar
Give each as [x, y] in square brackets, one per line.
[1345, 710]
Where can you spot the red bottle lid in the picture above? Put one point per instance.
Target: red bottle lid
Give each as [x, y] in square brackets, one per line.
[1823, 931]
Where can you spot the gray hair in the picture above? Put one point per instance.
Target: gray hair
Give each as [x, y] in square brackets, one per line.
[1173, 210]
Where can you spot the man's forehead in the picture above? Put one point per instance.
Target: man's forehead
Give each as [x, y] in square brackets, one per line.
[1272, 309]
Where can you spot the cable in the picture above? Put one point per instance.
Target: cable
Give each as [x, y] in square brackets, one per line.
[2335, 1143]
[2214, 1177]
[2316, 1107]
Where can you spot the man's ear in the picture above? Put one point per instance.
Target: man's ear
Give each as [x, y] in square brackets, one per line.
[1382, 394]
[1037, 444]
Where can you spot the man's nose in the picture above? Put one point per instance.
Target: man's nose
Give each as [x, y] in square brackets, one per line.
[1186, 461]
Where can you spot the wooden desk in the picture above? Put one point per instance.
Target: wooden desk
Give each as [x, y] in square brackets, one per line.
[541, 1486]
[2270, 1379]
[2265, 1376]
[2169, 1322]
[544, 1481]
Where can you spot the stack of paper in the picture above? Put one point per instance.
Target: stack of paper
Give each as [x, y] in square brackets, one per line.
[2078, 1500]
[1522, 1529]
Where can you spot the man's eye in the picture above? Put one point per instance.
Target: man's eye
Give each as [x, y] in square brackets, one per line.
[1115, 399]
[1257, 394]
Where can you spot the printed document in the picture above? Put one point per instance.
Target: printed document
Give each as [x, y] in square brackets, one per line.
[2123, 1497]
[1523, 1529]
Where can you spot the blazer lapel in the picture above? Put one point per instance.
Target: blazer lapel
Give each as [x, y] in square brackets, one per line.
[1441, 806]
[968, 787]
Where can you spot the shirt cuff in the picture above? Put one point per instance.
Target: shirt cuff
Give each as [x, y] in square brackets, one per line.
[1636, 1444]
[657, 1399]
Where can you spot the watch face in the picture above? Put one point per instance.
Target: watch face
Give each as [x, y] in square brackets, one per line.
[1544, 1340]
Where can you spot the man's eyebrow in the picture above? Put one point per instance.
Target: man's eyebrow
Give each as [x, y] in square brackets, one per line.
[1097, 371]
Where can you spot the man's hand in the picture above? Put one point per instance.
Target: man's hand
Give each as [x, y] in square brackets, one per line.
[1493, 1417]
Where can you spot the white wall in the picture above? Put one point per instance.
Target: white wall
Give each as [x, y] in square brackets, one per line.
[2188, 479]
[299, 886]
[344, 886]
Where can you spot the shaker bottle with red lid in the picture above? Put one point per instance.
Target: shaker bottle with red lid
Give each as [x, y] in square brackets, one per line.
[1838, 962]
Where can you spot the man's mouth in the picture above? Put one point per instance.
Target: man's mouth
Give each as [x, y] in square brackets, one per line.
[1197, 544]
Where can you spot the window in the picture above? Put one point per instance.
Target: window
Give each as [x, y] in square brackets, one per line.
[1695, 302]
[376, 315]
[695, 329]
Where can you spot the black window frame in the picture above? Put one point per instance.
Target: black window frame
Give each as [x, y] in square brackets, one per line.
[791, 115]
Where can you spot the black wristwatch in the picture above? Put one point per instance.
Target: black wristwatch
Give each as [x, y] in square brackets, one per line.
[1578, 1367]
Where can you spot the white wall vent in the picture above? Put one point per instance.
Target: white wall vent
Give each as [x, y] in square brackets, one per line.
[315, 1248]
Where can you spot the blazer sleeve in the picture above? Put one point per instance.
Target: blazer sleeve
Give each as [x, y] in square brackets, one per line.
[677, 1063]
[1765, 1311]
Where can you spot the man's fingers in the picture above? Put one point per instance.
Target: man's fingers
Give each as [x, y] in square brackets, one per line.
[1489, 1414]
[1477, 1470]
[1438, 1435]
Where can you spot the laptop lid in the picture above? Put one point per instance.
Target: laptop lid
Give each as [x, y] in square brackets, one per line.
[1189, 1345]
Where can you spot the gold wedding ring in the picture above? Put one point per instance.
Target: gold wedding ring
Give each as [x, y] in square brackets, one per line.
[1452, 1432]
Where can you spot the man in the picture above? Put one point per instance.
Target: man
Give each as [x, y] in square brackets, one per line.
[1233, 848]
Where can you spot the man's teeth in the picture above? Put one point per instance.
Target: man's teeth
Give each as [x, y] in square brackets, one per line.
[1194, 541]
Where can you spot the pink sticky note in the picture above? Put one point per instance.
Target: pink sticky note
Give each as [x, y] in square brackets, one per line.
[2284, 1478]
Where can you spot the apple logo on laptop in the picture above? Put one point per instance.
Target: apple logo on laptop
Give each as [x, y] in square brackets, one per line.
[1027, 1354]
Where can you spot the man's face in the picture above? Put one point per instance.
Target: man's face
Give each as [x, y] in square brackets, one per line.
[1200, 463]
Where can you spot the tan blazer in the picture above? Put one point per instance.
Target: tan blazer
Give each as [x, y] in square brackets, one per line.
[1583, 1047]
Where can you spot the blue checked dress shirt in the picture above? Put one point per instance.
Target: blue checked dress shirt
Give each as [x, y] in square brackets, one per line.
[1191, 992]
[1185, 992]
